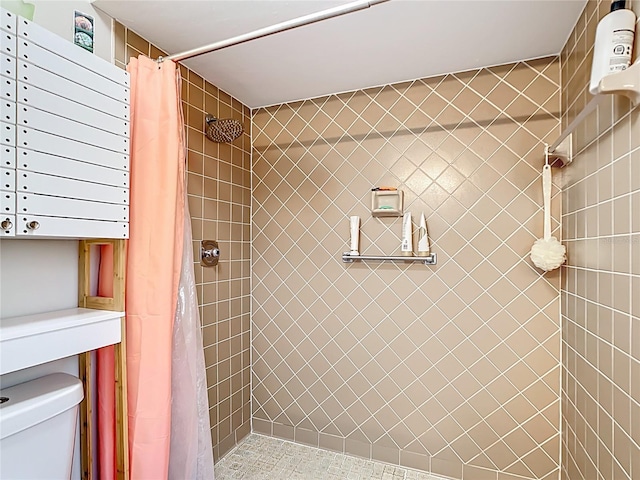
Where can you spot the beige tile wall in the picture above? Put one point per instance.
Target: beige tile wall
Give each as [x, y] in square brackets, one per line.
[219, 193]
[601, 282]
[452, 369]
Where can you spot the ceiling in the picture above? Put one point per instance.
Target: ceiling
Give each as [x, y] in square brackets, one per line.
[390, 42]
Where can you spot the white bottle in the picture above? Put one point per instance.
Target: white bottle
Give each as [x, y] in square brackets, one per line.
[406, 248]
[614, 43]
[423, 238]
[354, 228]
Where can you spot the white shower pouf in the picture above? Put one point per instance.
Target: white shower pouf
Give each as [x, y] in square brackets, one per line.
[548, 254]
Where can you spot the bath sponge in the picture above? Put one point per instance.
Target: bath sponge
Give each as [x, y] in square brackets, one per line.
[547, 253]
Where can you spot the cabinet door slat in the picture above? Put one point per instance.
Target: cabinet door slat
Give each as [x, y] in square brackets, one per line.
[31, 139]
[9, 43]
[7, 157]
[70, 227]
[7, 203]
[7, 179]
[71, 110]
[29, 182]
[70, 208]
[8, 65]
[8, 88]
[8, 21]
[8, 111]
[39, 162]
[35, 55]
[7, 134]
[38, 77]
[47, 122]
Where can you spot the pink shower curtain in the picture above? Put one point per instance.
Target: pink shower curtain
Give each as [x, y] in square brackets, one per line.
[153, 259]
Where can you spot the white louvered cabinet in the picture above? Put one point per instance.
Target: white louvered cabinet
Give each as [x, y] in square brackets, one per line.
[65, 137]
[8, 28]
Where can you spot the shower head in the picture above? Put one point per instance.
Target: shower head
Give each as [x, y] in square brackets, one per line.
[223, 130]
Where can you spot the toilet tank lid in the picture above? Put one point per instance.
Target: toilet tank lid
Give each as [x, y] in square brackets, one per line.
[37, 400]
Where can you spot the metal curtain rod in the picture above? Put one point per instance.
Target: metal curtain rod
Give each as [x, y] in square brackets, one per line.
[278, 27]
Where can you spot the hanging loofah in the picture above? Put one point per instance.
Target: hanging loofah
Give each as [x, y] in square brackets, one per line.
[547, 253]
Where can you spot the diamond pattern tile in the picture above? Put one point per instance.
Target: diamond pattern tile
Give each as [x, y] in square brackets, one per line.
[447, 363]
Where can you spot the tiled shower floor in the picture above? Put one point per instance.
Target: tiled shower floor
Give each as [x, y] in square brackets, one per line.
[266, 458]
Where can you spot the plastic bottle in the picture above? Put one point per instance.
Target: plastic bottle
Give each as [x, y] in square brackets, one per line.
[423, 238]
[354, 224]
[406, 247]
[613, 44]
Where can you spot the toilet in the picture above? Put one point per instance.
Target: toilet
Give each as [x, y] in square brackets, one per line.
[38, 427]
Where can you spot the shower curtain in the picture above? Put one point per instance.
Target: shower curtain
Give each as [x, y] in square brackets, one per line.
[155, 259]
[169, 431]
[154, 256]
[191, 451]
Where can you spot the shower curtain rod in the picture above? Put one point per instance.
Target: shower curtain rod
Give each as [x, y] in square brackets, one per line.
[278, 27]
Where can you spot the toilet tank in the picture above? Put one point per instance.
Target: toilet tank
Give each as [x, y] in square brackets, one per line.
[38, 426]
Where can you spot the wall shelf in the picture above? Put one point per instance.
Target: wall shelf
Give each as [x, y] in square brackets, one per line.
[625, 83]
[427, 260]
[35, 339]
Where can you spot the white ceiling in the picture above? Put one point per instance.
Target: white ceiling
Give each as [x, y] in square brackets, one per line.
[390, 42]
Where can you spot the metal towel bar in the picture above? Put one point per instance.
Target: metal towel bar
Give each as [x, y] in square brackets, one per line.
[428, 260]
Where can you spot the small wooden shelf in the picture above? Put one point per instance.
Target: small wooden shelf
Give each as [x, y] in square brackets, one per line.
[113, 251]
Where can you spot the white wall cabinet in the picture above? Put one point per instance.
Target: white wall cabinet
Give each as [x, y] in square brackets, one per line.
[64, 134]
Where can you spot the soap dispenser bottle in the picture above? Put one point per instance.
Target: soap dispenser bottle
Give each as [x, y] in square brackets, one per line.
[613, 43]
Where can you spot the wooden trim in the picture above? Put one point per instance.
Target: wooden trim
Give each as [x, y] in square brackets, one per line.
[84, 265]
[85, 300]
[119, 272]
[116, 303]
[122, 418]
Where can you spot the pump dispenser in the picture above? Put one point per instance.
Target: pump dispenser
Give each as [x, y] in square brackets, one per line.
[613, 44]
